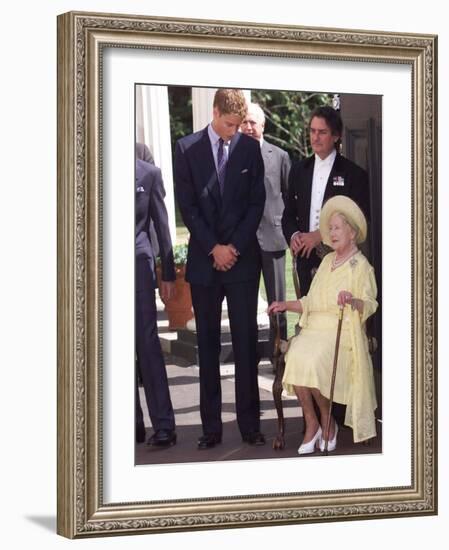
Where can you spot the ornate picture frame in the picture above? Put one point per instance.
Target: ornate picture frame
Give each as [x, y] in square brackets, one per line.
[82, 508]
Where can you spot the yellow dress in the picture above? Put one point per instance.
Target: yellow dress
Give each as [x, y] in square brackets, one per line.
[310, 356]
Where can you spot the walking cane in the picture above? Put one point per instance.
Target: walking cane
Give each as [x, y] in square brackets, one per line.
[296, 285]
[279, 440]
[295, 277]
[334, 372]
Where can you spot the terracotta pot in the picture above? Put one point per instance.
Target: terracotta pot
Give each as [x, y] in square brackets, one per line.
[179, 308]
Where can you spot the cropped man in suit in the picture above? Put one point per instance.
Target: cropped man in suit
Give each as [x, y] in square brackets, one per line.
[150, 361]
[219, 185]
[314, 180]
[143, 152]
[269, 234]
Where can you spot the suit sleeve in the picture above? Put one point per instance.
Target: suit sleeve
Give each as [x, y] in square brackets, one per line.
[285, 172]
[188, 203]
[289, 223]
[245, 231]
[367, 291]
[158, 214]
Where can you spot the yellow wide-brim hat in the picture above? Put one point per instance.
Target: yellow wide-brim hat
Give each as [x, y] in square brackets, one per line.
[350, 210]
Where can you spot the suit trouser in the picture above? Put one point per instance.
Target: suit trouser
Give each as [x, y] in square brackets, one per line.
[151, 365]
[273, 271]
[242, 309]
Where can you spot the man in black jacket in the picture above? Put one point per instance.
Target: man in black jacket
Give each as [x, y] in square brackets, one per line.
[314, 180]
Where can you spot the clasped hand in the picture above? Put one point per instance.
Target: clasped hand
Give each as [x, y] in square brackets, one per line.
[225, 256]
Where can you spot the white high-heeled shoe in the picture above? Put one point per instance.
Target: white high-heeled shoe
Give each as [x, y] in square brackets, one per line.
[332, 444]
[307, 448]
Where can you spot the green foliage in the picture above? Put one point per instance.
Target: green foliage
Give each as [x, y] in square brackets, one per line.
[288, 116]
[180, 254]
[180, 105]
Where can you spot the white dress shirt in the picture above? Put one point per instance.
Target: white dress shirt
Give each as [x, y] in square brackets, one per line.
[321, 171]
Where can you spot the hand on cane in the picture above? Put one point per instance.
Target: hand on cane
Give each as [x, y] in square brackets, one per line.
[346, 297]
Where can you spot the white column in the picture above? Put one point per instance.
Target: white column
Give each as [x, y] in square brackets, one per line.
[140, 133]
[153, 129]
[202, 105]
[247, 94]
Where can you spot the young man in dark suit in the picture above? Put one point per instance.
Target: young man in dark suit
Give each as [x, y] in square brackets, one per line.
[314, 180]
[150, 207]
[219, 186]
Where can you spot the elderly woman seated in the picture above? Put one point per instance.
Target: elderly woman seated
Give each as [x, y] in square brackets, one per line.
[344, 278]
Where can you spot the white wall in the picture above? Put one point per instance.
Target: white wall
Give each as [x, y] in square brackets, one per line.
[28, 270]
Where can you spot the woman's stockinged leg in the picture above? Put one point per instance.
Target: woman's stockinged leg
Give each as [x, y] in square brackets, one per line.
[324, 406]
[305, 399]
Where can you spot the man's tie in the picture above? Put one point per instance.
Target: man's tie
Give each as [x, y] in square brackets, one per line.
[221, 165]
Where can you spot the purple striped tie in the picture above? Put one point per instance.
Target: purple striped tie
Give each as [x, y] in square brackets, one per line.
[221, 165]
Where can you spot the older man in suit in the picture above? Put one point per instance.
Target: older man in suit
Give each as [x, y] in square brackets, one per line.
[150, 207]
[219, 186]
[269, 234]
[314, 180]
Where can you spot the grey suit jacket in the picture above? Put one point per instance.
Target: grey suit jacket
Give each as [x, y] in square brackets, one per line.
[277, 168]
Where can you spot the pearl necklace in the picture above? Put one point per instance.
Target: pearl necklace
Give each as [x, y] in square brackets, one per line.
[337, 262]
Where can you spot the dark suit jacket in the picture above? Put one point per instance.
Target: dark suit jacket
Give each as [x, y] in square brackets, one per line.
[353, 182]
[277, 168]
[150, 206]
[212, 219]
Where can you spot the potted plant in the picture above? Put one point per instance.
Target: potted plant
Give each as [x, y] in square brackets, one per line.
[179, 307]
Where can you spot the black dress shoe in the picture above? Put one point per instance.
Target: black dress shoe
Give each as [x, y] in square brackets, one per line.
[254, 438]
[162, 438]
[207, 441]
[140, 433]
